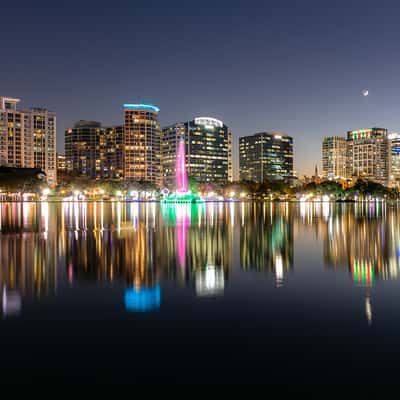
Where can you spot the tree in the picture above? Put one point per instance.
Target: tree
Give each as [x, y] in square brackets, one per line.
[364, 187]
[193, 185]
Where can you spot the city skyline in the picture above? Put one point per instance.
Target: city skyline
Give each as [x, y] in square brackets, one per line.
[122, 151]
[300, 69]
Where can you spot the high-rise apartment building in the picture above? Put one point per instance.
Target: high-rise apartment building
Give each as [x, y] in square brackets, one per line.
[334, 157]
[114, 136]
[266, 156]
[208, 150]
[94, 151]
[394, 154]
[12, 134]
[41, 146]
[61, 162]
[82, 149]
[28, 138]
[142, 143]
[368, 155]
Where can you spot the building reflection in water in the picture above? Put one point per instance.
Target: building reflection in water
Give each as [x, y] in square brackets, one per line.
[210, 281]
[363, 239]
[266, 238]
[116, 242]
[11, 302]
[28, 255]
[140, 244]
[142, 299]
[198, 241]
[77, 243]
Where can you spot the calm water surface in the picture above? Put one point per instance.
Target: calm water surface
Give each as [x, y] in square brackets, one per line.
[206, 293]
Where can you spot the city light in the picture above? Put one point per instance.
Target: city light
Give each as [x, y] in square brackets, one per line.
[143, 106]
[142, 299]
[212, 196]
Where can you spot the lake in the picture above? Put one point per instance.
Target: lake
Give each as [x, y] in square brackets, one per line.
[213, 292]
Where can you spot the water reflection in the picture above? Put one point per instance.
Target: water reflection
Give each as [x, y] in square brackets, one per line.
[141, 246]
[142, 299]
[197, 243]
[266, 239]
[361, 238]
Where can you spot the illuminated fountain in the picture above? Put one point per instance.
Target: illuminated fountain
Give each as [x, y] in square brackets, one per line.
[182, 194]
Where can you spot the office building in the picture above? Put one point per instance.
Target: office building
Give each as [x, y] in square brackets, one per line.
[208, 150]
[266, 156]
[142, 143]
[368, 155]
[334, 157]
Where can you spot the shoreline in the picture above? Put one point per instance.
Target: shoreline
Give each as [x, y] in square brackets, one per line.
[204, 201]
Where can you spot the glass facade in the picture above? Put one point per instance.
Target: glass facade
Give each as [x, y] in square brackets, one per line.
[208, 149]
[266, 156]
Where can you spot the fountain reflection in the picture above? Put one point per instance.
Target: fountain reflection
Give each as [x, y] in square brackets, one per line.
[198, 241]
[139, 246]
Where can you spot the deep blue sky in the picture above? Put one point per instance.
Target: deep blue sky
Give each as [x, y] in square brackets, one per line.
[294, 66]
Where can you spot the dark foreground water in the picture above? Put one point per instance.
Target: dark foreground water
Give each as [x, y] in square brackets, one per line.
[240, 292]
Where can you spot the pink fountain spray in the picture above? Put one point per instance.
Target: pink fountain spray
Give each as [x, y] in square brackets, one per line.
[182, 194]
[180, 170]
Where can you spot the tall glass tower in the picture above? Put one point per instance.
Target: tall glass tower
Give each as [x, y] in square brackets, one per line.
[266, 156]
[208, 150]
[141, 145]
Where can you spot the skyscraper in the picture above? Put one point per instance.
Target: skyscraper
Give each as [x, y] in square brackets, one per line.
[94, 151]
[82, 149]
[266, 156]
[368, 155]
[208, 149]
[28, 138]
[12, 134]
[41, 146]
[334, 157]
[394, 141]
[113, 151]
[142, 143]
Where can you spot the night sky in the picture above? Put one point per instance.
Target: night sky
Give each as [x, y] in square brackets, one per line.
[294, 66]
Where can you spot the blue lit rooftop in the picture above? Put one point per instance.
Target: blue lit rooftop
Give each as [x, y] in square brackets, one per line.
[143, 106]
